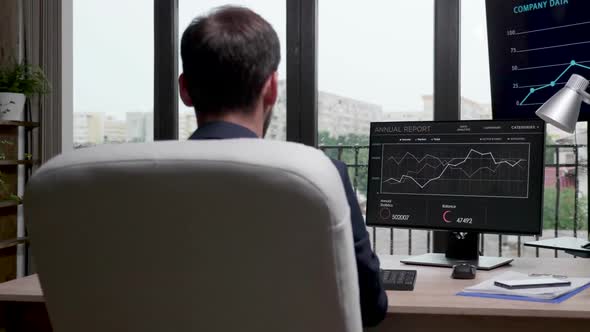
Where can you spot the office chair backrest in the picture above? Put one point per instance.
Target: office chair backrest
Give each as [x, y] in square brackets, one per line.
[233, 235]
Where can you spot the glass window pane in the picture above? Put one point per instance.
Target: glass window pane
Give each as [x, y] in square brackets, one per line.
[377, 67]
[113, 71]
[275, 12]
[376, 63]
[475, 67]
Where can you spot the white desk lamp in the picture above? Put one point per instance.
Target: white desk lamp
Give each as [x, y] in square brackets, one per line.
[562, 110]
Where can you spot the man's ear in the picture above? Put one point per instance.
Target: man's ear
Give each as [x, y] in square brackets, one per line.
[183, 89]
[270, 91]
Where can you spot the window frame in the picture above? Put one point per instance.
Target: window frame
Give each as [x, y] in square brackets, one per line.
[302, 67]
[165, 70]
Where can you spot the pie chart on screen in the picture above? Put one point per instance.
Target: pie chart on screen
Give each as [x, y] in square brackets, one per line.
[446, 216]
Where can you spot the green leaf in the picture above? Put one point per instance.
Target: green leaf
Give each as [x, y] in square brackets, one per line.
[22, 78]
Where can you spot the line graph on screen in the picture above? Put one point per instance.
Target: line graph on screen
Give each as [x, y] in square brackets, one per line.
[456, 169]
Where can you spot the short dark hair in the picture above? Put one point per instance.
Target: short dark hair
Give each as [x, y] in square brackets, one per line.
[227, 56]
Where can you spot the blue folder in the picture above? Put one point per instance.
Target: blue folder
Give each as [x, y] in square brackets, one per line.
[524, 298]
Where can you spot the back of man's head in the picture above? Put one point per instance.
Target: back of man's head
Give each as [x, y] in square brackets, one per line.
[227, 57]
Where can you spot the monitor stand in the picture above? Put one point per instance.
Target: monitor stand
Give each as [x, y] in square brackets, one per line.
[461, 248]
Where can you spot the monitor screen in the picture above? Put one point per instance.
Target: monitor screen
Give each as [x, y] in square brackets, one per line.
[534, 48]
[481, 176]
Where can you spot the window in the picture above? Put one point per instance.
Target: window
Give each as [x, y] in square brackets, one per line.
[275, 12]
[375, 63]
[113, 71]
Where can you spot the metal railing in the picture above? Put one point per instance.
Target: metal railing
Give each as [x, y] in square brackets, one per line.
[407, 241]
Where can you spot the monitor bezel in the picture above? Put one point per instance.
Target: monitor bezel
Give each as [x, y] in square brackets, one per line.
[459, 229]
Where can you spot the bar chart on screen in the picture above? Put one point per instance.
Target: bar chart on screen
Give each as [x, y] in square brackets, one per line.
[534, 48]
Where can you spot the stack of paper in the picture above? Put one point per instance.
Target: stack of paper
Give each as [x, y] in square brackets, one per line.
[547, 293]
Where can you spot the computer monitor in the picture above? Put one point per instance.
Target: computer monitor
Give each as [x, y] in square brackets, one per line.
[466, 177]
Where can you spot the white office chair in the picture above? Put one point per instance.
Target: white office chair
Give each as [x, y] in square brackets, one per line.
[232, 235]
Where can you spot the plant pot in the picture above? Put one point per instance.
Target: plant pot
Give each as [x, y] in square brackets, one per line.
[12, 106]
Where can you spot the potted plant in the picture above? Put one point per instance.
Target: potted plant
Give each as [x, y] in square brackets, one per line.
[4, 142]
[17, 82]
[5, 193]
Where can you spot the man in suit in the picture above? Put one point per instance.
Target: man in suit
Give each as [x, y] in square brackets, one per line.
[230, 59]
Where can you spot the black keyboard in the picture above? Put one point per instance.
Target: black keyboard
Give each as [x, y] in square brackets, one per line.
[402, 280]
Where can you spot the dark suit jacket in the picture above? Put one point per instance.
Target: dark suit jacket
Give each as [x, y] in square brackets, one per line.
[373, 298]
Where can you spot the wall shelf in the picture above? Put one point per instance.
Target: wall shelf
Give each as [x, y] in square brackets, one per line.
[18, 140]
[8, 203]
[13, 242]
[19, 124]
[16, 162]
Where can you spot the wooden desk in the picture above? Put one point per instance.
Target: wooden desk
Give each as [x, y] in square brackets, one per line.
[433, 305]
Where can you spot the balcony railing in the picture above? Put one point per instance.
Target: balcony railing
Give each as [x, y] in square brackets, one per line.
[564, 166]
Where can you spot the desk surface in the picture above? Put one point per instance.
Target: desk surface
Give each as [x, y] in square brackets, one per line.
[435, 291]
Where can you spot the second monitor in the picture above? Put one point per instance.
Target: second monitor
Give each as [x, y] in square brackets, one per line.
[464, 176]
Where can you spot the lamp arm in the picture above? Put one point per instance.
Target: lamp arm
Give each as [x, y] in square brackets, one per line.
[585, 96]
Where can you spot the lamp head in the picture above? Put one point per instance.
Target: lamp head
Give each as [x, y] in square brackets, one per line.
[562, 110]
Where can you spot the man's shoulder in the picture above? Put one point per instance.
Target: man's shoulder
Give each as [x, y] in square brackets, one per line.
[340, 165]
[342, 168]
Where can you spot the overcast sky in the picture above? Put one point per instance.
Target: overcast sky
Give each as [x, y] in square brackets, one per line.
[378, 51]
